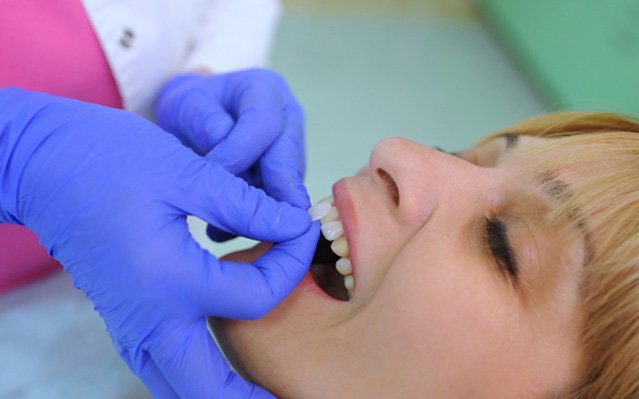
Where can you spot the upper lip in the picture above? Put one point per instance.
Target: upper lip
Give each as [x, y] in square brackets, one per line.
[346, 209]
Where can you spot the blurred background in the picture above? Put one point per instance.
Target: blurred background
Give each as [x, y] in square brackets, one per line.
[446, 72]
[369, 69]
[441, 72]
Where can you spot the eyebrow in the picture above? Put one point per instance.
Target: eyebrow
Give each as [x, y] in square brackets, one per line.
[559, 191]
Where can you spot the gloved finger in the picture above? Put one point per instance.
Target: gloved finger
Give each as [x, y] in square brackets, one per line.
[195, 367]
[203, 123]
[155, 382]
[229, 203]
[249, 291]
[259, 122]
[283, 164]
[253, 178]
[284, 265]
[216, 127]
[196, 119]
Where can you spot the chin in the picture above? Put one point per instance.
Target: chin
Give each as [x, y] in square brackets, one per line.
[262, 351]
[279, 351]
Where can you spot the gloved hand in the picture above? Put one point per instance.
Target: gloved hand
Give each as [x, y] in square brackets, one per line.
[107, 193]
[248, 122]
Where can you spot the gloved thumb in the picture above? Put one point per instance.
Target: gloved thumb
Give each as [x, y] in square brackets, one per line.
[225, 201]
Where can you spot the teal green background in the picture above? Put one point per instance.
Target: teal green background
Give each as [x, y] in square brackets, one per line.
[583, 54]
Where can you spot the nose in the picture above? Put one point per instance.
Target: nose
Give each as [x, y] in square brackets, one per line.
[418, 179]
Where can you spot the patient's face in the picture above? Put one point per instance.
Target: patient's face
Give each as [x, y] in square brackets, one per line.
[461, 289]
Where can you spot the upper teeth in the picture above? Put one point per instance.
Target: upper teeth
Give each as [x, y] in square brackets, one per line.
[333, 230]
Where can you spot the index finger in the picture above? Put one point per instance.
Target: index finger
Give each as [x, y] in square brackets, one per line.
[260, 121]
[283, 165]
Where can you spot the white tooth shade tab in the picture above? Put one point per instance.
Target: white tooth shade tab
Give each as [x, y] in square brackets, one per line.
[343, 266]
[330, 216]
[319, 211]
[332, 230]
[328, 200]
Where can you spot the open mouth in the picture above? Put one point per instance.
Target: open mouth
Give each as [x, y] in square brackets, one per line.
[331, 268]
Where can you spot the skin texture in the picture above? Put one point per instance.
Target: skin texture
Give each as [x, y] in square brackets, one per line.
[433, 313]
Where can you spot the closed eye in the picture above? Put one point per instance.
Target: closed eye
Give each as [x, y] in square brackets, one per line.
[496, 238]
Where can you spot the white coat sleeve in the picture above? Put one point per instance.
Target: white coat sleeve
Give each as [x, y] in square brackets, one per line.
[234, 34]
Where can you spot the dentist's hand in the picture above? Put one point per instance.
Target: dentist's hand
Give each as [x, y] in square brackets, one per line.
[107, 193]
[249, 122]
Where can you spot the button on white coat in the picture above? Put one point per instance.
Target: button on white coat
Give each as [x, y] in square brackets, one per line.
[127, 37]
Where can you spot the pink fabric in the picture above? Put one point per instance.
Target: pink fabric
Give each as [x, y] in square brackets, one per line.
[47, 46]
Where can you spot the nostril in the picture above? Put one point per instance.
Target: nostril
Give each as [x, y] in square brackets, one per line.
[391, 186]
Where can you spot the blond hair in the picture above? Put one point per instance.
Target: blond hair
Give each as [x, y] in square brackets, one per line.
[604, 150]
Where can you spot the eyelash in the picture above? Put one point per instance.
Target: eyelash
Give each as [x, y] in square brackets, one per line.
[496, 234]
[496, 238]
[455, 154]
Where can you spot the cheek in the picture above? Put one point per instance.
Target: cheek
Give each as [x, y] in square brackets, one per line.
[445, 321]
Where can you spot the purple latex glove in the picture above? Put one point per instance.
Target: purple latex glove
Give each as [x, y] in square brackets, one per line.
[249, 122]
[107, 193]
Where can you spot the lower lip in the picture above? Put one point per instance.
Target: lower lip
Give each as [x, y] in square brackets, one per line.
[309, 284]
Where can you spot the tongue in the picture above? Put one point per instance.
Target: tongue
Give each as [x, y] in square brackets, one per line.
[324, 253]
